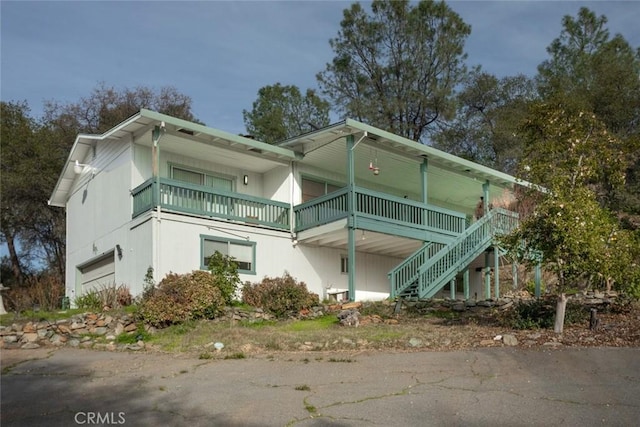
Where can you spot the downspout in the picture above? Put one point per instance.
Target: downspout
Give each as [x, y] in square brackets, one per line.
[424, 185]
[292, 198]
[157, 133]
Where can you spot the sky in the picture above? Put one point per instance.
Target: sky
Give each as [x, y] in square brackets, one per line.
[221, 52]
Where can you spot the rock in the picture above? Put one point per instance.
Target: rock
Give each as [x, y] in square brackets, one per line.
[509, 340]
[470, 303]
[77, 325]
[119, 329]
[351, 305]
[349, 318]
[57, 340]
[74, 342]
[101, 331]
[391, 322]
[30, 346]
[348, 341]
[30, 337]
[459, 306]
[110, 337]
[28, 328]
[485, 303]
[415, 342]
[140, 344]
[486, 342]
[10, 338]
[130, 327]
[111, 346]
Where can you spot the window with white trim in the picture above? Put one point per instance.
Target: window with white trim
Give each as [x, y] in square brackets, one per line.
[243, 252]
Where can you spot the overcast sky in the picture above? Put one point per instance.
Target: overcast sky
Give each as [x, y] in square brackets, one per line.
[220, 53]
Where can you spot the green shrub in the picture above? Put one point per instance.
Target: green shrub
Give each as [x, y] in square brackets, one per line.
[225, 273]
[182, 297]
[90, 301]
[279, 296]
[106, 296]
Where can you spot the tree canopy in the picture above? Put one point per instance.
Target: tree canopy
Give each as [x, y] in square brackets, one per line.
[489, 111]
[397, 67]
[33, 154]
[282, 112]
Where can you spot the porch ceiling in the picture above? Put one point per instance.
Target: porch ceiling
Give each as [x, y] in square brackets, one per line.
[335, 236]
[215, 150]
[452, 182]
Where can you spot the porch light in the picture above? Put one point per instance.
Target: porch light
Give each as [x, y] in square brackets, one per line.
[245, 179]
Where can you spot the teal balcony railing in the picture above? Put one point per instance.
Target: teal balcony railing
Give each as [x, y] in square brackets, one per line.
[379, 206]
[201, 200]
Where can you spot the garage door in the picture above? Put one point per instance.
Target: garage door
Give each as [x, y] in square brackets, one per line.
[99, 273]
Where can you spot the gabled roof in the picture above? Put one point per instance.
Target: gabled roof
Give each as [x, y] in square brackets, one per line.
[144, 120]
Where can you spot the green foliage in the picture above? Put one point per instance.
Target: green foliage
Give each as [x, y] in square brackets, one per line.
[599, 73]
[31, 160]
[90, 301]
[182, 297]
[140, 334]
[488, 114]
[279, 296]
[397, 67]
[105, 296]
[282, 112]
[571, 153]
[225, 275]
[148, 284]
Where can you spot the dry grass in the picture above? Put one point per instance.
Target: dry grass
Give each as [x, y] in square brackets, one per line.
[439, 331]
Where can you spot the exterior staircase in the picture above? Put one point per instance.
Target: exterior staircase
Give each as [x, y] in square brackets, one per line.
[425, 272]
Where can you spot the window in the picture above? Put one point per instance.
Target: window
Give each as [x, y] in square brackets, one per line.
[344, 264]
[202, 178]
[242, 251]
[315, 188]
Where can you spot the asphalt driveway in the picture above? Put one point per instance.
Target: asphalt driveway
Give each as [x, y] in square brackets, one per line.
[496, 387]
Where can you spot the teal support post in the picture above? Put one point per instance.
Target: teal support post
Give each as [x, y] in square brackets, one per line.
[496, 272]
[351, 225]
[487, 277]
[452, 291]
[514, 274]
[465, 283]
[537, 278]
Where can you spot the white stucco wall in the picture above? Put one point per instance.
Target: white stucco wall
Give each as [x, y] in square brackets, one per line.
[318, 267]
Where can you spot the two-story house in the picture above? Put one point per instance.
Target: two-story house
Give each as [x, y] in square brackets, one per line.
[351, 210]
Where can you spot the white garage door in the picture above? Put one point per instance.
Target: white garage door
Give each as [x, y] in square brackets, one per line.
[101, 272]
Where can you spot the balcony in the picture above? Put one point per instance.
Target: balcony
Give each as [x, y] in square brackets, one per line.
[386, 211]
[373, 210]
[200, 200]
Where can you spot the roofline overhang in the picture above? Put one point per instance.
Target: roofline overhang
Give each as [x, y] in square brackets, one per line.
[411, 148]
[59, 197]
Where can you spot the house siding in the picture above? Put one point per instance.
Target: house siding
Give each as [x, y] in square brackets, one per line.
[96, 219]
[318, 267]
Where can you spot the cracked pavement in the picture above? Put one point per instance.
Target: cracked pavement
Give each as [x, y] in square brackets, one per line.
[496, 386]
